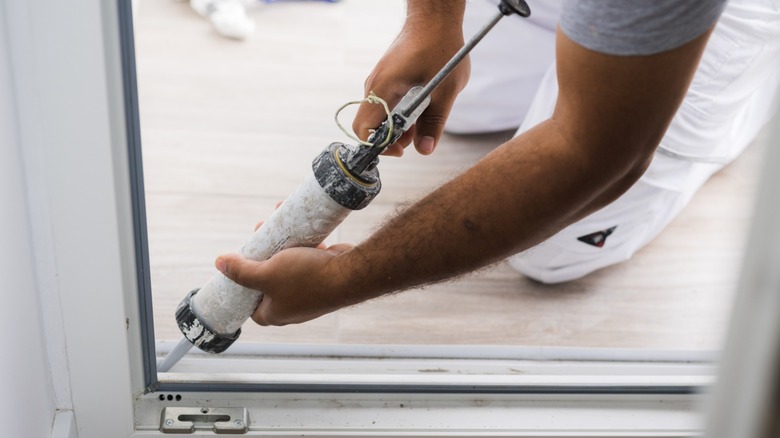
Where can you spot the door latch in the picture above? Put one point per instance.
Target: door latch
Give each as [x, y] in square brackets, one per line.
[220, 420]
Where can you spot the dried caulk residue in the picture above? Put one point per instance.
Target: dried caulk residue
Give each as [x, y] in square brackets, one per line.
[306, 218]
[197, 333]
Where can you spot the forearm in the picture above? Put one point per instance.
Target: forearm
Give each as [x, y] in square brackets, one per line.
[537, 183]
[514, 198]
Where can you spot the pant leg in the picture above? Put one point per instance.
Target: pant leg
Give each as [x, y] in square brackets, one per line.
[730, 99]
[506, 67]
[613, 234]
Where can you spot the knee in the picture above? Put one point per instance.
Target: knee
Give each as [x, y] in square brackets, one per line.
[552, 262]
[543, 271]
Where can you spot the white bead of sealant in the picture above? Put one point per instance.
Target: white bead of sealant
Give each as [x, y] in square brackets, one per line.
[305, 218]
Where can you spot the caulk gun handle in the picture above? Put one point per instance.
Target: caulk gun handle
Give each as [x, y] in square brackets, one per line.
[366, 157]
[401, 123]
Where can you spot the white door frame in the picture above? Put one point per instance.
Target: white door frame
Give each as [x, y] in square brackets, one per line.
[74, 129]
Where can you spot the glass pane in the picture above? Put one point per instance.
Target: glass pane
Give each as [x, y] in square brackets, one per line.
[230, 127]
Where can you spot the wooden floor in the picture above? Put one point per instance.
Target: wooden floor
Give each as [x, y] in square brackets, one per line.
[229, 128]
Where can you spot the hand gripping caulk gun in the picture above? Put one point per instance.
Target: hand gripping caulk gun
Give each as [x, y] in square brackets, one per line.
[344, 178]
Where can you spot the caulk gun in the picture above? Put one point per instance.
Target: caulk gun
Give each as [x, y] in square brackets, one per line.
[344, 178]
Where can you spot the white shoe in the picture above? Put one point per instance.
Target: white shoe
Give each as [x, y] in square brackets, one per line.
[228, 17]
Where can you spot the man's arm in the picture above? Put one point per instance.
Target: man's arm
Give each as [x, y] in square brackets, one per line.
[610, 115]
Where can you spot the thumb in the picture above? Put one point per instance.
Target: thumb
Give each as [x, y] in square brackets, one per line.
[430, 125]
[246, 272]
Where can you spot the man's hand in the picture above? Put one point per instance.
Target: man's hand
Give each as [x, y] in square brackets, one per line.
[431, 35]
[298, 284]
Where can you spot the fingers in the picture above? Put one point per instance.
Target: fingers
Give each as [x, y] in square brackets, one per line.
[260, 315]
[425, 133]
[247, 273]
[369, 115]
[430, 125]
[426, 144]
[294, 282]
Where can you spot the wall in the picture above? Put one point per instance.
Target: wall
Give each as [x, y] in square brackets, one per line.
[66, 247]
[61, 62]
[27, 400]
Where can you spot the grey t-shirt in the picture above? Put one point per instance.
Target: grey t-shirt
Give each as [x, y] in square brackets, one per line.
[637, 27]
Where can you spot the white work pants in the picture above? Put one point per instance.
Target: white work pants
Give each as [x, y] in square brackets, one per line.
[513, 84]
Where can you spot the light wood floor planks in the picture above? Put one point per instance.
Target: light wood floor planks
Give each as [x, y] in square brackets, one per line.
[229, 128]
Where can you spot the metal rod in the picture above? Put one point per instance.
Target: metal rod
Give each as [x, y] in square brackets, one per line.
[451, 64]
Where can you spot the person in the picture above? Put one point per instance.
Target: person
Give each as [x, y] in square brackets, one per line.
[625, 108]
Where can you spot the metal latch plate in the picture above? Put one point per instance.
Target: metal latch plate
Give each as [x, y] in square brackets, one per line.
[227, 421]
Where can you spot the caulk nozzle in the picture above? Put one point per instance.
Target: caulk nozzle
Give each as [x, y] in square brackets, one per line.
[174, 356]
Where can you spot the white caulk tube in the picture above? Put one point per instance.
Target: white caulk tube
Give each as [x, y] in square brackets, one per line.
[211, 317]
[305, 218]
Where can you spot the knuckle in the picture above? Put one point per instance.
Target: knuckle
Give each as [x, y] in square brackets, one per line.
[244, 278]
[259, 320]
[369, 80]
[268, 321]
[266, 317]
[433, 119]
[236, 274]
[259, 316]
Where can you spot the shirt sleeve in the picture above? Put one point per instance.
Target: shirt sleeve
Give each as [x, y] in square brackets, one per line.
[637, 27]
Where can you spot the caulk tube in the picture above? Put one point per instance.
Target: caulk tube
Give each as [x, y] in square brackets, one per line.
[211, 317]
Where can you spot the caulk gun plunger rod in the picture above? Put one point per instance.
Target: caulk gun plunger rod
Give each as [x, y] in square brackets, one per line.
[506, 7]
[450, 66]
